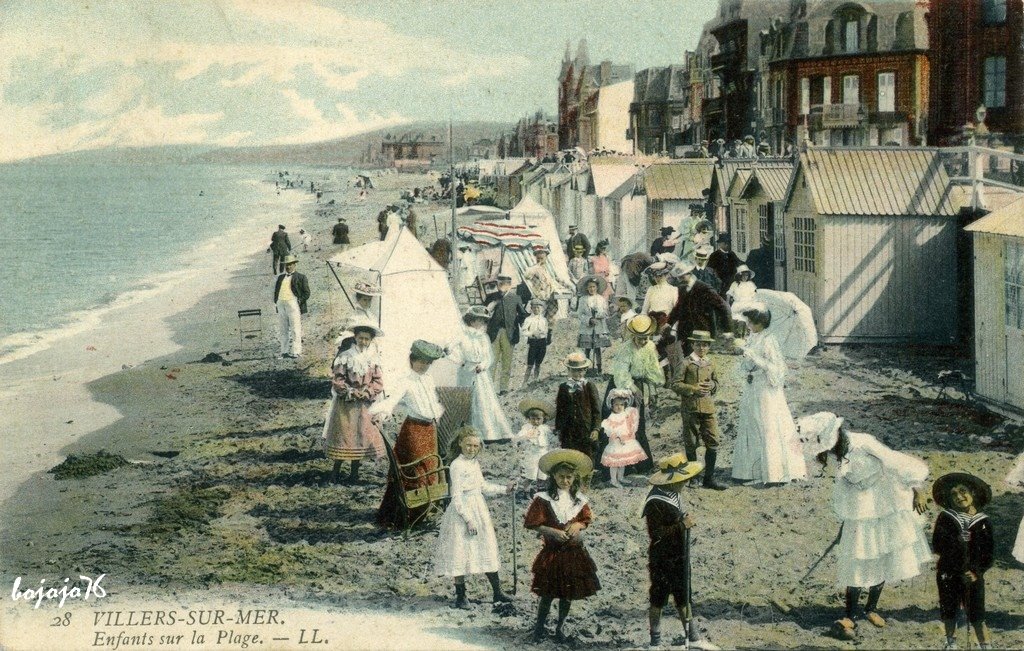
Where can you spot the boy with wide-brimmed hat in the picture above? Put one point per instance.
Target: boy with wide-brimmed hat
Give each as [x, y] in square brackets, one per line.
[668, 556]
[578, 408]
[963, 540]
[696, 387]
[534, 439]
[536, 329]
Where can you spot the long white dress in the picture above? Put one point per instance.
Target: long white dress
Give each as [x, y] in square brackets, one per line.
[768, 447]
[458, 553]
[470, 350]
[883, 538]
[1016, 479]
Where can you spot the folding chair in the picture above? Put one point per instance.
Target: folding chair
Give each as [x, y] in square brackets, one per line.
[246, 330]
[416, 492]
[475, 292]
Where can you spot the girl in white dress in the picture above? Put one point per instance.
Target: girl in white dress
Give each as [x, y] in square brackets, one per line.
[534, 439]
[742, 296]
[473, 355]
[620, 427]
[877, 492]
[1016, 479]
[466, 543]
[767, 448]
[592, 312]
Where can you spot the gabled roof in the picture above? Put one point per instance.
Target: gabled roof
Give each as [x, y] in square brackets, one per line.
[726, 170]
[678, 180]
[627, 188]
[875, 181]
[739, 181]
[1008, 220]
[773, 181]
[606, 178]
[664, 84]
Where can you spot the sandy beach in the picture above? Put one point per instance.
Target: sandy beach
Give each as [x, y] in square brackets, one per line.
[222, 505]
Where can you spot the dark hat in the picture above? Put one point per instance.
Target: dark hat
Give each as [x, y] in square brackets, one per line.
[502, 278]
[426, 351]
[941, 487]
[725, 237]
[667, 230]
[280, 226]
[625, 299]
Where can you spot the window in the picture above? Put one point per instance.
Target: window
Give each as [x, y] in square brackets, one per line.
[851, 32]
[826, 90]
[1013, 275]
[655, 215]
[993, 12]
[740, 223]
[616, 218]
[886, 92]
[851, 89]
[780, 244]
[764, 222]
[805, 96]
[995, 82]
[803, 244]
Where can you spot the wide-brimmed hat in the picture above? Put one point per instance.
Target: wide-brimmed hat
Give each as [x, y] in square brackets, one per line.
[703, 251]
[619, 394]
[657, 269]
[529, 404]
[577, 360]
[579, 461]
[668, 258]
[476, 313]
[674, 469]
[581, 286]
[290, 259]
[744, 269]
[642, 324]
[819, 432]
[682, 269]
[367, 289]
[701, 336]
[362, 324]
[426, 351]
[941, 487]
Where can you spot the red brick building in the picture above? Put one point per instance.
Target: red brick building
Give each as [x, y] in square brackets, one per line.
[848, 74]
[977, 58]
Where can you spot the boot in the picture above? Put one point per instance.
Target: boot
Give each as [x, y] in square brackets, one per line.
[710, 459]
[460, 596]
[353, 475]
[499, 596]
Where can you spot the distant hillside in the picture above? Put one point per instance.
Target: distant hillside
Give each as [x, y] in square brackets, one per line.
[340, 152]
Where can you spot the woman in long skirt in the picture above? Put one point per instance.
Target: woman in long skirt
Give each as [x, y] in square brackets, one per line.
[877, 493]
[767, 447]
[472, 353]
[601, 265]
[349, 432]
[592, 312]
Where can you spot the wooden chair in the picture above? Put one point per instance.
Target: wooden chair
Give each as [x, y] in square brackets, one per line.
[475, 292]
[246, 328]
[431, 496]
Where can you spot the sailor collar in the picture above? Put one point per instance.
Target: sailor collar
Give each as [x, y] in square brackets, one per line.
[963, 520]
[660, 495]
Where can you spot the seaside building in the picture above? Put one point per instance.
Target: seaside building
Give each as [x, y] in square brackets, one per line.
[593, 103]
[659, 112]
[535, 136]
[412, 150]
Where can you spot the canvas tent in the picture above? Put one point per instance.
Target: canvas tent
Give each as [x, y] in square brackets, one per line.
[416, 301]
[504, 245]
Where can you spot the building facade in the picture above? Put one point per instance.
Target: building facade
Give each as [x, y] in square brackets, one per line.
[585, 119]
[411, 150]
[534, 137]
[659, 112]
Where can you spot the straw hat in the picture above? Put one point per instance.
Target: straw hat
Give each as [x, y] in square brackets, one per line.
[476, 313]
[682, 269]
[641, 324]
[581, 286]
[819, 432]
[426, 351]
[577, 360]
[657, 269]
[669, 259]
[581, 462]
[529, 404]
[367, 289]
[701, 336]
[537, 301]
[674, 469]
[941, 487]
[745, 269]
[355, 325]
[290, 259]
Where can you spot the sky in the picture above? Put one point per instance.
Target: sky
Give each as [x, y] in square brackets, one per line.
[91, 74]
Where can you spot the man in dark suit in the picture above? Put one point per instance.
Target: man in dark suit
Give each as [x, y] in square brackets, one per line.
[291, 291]
[507, 313]
[699, 307]
[576, 238]
[762, 262]
[340, 232]
[724, 262]
[280, 247]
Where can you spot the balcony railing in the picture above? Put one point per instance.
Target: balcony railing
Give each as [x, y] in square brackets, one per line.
[832, 116]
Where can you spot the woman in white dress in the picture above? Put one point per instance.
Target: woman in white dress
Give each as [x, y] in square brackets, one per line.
[471, 352]
[466, 543]
[767, 448]
[877, 492]
[1016, 479]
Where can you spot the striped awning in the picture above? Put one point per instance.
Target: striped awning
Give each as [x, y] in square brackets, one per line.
[511, 236]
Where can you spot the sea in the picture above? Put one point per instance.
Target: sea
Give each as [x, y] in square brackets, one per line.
[79, 239]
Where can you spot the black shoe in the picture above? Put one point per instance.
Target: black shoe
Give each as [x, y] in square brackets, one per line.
[539, 633]
[714, 485]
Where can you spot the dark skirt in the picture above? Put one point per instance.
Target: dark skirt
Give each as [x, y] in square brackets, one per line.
[415, 440]
[647, 465]
[564, 571]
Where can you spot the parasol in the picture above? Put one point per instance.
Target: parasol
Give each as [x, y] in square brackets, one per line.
[792, 322]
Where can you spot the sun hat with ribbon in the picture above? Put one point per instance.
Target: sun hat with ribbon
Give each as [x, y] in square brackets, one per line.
[642, 325]
[577, 360]
[674, 469]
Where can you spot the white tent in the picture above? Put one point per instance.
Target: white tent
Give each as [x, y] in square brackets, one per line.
[416, 300]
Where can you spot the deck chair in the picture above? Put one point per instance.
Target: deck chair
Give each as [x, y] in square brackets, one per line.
[458, 406]
[475, 292]
[250, 325]
[431, 496]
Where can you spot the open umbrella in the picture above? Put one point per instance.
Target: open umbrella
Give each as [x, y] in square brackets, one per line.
[792, 322]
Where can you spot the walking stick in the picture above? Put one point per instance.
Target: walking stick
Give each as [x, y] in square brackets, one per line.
[515, 563]
[687, 606]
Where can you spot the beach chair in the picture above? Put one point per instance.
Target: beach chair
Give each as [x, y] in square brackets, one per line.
[250, 325]
[427, 498]
[475, 292]
[458, 411]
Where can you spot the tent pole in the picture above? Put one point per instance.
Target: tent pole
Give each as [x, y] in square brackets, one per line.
[340, 284]
[451, 174]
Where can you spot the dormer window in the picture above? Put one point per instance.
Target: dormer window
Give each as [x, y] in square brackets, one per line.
[993, 12]
[851, 35]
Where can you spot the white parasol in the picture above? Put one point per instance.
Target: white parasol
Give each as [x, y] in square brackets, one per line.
[792, 322]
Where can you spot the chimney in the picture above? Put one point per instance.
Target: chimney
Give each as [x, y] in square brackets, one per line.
[606, 72]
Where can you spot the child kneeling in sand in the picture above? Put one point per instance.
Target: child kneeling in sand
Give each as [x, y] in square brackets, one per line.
[963, 540]
[563, 569]
[466, 543]
[534, 440]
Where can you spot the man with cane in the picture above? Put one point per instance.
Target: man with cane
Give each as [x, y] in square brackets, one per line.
[668, 556]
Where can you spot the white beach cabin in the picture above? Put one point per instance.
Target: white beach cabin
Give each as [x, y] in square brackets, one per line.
[870, 236]
[999, 305]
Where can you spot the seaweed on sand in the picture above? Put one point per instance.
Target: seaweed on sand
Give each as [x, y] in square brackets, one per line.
[78, 466]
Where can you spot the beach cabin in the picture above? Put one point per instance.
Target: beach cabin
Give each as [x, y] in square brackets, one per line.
[553, 192]
[755, 209]
[626, 210]
[605, 178]
[723, 179]
[870, 237]
[999, 305]
[508, 189]
[675, 193]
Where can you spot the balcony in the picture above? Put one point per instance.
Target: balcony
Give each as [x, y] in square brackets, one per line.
[837, 116]
[714, 105]
[888, 117]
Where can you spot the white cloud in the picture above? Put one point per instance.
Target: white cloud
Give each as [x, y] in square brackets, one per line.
[321, 128]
